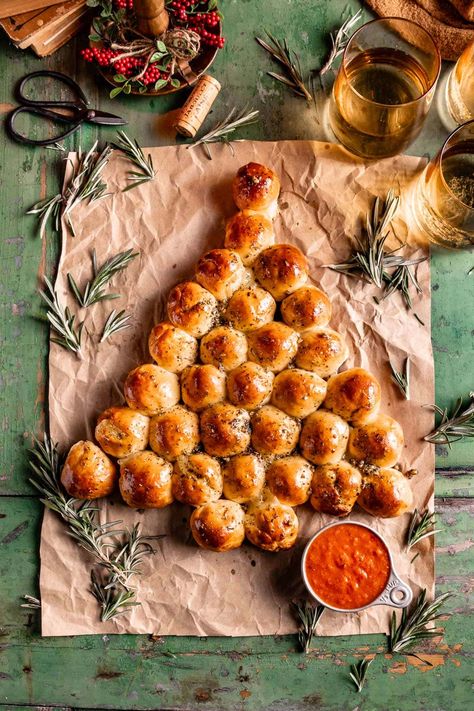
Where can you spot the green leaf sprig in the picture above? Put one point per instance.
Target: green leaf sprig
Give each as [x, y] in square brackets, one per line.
[134, 152]
[422, 525]
[359, 671]
[94, 289]
[115, 322]
[223, 130]
[454, 427]
[62, 321]
[413, 624]
[308, 616]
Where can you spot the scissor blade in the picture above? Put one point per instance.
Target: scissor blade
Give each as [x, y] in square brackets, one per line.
[102, 117]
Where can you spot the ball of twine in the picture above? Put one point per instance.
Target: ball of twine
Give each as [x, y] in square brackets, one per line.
[182, 43]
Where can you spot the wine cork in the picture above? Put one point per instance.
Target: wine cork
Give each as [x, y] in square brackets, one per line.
[197, 106]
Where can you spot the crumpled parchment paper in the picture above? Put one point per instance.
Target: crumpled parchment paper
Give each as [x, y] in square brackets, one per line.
[171, 221]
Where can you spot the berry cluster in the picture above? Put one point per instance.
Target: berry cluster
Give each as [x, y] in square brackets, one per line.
[198, 21]
[101, 55]
[123, 4]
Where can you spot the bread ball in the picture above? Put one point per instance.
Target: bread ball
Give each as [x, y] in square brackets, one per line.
[249, 386]
[192, 308]
[256, 188]
[322, 351]
[171, 347]
[121, 431]
[145, 481]
[297, 392]
[289, 479]
[307, 307]
[274, 345]
[224, 347]
[151, 389]
[281, 270]
[380, 442]
[218, 526]
[244, 478]
[221, 272]
[197, 479]
[88, 473]
[274, 432]
[324, 437]
[335, 488]
[250, 308]
[174, 432]
[201, 386]
[386, 493]
[271, 525]
[248, 233]
[225, 430]
[354, 395]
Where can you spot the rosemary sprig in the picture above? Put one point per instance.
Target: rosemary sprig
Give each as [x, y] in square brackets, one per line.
[339, 40]
[453, 427]
[308, 617]
[412, 627]
[94, 290]
[400, 280]
[61, 321]
[114, 600]
[85, 184]
[289, 61]
[359, 671]
[222, 131]
[422, 525]
[402, 378]
[133, 151]
[115, 322]
[32, 603]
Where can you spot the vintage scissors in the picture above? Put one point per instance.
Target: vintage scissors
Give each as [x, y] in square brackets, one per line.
[76, 112]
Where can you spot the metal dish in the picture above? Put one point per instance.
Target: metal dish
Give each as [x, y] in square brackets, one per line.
[396, 593]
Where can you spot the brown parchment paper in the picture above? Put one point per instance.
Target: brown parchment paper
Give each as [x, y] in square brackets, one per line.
[172, 221]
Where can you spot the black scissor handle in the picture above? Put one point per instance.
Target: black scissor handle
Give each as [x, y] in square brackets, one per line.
[74, 122]
[81, 101]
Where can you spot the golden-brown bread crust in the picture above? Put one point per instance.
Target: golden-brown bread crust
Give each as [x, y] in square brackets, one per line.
[289, 479]
[151, 389]
[121, 431]
[87, 472]
[225, 430]
[174, 432]
[274, 345]
[248, 233]
[335, 488]
[201, 386]
[171, 347]
[298, 392]
[307, 307]
[192, 308]
[271, 525]
[218, 526]
[249, 385]
[197, 479]
[324, 437]
[281, 270]
[322, 351]
[255, 187]
[224, 347]
[273, 432]
[250, 308]
[145, 481]
[244, 478]
[379, 442]
[386, 493]
[354, 395]
[221, 272]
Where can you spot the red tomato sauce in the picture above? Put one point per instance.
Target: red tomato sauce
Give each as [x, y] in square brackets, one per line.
[347, 566]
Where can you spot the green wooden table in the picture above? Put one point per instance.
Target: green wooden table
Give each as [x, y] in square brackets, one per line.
[214, 673]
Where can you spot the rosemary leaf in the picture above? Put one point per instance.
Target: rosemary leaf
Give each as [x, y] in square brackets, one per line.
[115, 322]
[289, 60]
[358, 672]
[134, 152]
[339, 40]
[412, 627]
[32, 603]
[222, 131]
[308, 617]
[94, 290]
[421, 526]
[113, 599]
[454, 427]
[61, 321]
[402, 378]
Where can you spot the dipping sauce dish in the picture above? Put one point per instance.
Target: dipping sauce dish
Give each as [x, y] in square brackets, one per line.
[347, 567]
